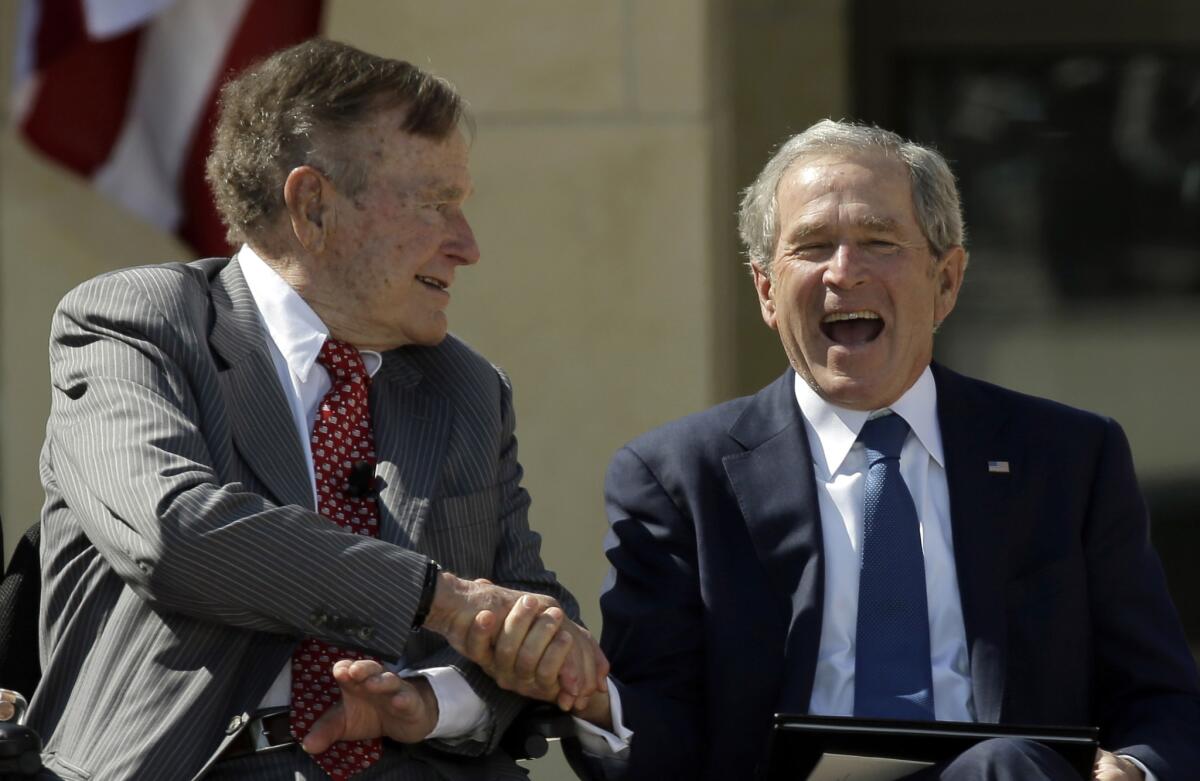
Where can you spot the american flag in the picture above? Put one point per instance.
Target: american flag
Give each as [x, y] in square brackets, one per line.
[123, 93]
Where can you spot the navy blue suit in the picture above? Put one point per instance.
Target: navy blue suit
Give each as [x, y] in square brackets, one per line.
[712, 613]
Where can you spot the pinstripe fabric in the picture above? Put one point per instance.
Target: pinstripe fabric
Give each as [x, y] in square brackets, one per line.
[180, 550]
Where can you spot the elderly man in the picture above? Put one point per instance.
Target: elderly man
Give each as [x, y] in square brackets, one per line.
[253, 464]
[874, 535]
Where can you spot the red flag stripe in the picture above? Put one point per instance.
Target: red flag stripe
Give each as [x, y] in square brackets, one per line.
[82, 92]
[61, 28]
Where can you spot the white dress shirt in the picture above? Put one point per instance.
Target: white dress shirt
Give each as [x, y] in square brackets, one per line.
[840, 469]
[295, 335]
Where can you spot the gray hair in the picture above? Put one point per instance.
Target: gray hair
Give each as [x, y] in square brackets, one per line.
[296, 108]
[934, 192]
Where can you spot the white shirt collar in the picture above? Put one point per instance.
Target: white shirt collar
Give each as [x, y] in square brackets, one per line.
[833, 430]
[291, 323]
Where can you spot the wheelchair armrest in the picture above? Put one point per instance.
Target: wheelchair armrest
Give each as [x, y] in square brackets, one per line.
[20, 750]
[12, 706]
[527, 736]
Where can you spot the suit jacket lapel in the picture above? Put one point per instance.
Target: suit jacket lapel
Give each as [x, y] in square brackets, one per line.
[773, 482]
[973, 433]
[412, 429]
[259, 413]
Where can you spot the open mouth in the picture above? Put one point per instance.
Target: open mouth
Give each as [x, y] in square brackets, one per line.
[436, 284]
[852, 328]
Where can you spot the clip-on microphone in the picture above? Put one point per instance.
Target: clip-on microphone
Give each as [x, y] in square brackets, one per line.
[362, 480]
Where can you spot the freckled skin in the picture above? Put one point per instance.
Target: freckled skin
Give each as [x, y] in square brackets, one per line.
[849, 241]
[407, 222]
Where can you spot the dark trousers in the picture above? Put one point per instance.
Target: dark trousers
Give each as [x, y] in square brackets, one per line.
[1002, 759]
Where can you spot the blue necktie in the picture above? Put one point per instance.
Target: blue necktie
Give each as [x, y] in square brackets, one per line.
[892, 674]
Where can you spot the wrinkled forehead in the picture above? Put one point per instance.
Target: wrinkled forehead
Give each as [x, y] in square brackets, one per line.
[393, 154]
[821, 192]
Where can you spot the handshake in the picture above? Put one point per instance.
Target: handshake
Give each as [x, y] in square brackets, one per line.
[524, 641]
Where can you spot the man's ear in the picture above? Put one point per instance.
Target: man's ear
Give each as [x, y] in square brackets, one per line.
[307, 194]
[949, 272]
[766, 297]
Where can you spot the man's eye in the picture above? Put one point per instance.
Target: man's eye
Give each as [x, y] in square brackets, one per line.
[883, 245]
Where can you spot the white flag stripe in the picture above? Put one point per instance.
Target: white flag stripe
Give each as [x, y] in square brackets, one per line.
[181, 53]
[23, 70]
[110, 18]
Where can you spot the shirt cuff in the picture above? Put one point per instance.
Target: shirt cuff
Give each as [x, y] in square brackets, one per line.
[1149, 776]
[462, 715]
[600, 742]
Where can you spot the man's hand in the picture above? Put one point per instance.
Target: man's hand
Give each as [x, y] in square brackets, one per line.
[1110, 767]
[540, 654]
[375, 703]
[529, 653]
[476, 615]
[457, 602]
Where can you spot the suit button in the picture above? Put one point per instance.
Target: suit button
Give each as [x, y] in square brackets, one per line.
[318, 619]
[235, 723]
[365, 633]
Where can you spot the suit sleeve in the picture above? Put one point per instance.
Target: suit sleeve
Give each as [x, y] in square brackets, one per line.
[135, 471]
[1148, 695]
[652, 624]
[517, 565]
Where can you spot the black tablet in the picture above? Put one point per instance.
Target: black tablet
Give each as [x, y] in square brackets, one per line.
[849, 749]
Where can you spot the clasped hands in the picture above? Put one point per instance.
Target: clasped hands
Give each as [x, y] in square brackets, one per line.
[523, 641]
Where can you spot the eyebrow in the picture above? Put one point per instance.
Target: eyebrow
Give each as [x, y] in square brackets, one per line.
[448, 193]
[880, 224]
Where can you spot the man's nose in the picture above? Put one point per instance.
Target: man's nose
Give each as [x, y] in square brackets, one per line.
[464, 247]
[847, 267]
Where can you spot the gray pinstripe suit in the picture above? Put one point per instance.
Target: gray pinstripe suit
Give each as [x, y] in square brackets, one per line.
[181, 555]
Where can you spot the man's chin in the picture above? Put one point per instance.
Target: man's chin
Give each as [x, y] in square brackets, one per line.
[431, 338]
[430, 333]
[851, 391]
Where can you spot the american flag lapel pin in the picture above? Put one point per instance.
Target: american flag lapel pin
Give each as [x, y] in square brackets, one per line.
[998, 467]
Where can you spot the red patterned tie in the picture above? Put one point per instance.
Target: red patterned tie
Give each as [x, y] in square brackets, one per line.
[341, 440]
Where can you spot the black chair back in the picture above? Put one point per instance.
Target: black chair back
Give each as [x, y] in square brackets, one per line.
[20, 670]
[20, 591]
